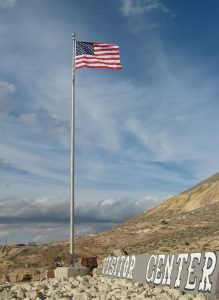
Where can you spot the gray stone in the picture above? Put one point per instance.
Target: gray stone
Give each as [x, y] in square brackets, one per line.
[8, 295]
[83, 296]
[137, 284]
[105, 288]
[33, 295]
[26, 286]
[164, 296]
[200, 297]
[42, 286]
[185, 297]
[20, 293]
[91, 288]
[173, 292]
[97, 272]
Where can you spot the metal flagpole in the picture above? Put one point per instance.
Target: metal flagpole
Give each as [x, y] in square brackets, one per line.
[72, 155]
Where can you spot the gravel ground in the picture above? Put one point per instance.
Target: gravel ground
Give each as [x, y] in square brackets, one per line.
[86, 288]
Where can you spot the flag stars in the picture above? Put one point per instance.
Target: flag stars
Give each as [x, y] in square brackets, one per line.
[84, 48]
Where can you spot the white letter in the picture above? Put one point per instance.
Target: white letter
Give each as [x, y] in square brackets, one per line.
[126, 265]
[148, 266]
[168, 270]
[122, 261]
[205, 284]
[131, 267]
[189, 285]
[181, 258]
[104, 265]
[158, 278]
[117, 263]
[108, 266]
[112, 266]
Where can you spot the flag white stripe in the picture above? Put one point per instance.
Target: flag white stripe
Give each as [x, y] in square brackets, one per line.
[98, 60]
[106, 52]
[106, 45]
[106, 48]
[97, 65]
[98, 57]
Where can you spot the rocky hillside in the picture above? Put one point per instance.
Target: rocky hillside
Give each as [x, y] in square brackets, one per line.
[199, 196]
[186, 222]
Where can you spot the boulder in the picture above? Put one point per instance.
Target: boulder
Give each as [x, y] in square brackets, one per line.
[89, 262]
[119, 252]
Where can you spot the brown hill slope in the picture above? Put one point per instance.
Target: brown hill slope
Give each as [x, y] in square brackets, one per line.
[200, 195]
[186, 222]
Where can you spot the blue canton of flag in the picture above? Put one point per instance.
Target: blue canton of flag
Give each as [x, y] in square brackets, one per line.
[84, 48]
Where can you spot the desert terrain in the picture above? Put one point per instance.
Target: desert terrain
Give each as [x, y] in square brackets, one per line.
[188, 222]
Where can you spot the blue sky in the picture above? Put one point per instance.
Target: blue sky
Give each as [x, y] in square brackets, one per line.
[143, 133]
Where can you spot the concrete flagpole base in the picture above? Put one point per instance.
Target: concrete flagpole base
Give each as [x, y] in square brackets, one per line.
[67, 272]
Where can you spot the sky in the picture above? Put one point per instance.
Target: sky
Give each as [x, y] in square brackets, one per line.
[143, 133]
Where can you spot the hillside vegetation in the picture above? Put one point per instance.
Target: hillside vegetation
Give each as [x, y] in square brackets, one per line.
[186, 222]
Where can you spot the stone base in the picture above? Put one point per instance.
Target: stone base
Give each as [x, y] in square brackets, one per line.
[66, 272]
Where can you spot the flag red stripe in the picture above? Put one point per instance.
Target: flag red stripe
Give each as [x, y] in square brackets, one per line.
[90, 58]
[106, 53]
[100, 67]
[104, 45]
[98, 56]
[106, 48]
[97, 62]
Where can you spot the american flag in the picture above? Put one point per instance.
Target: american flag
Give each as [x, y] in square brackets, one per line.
[97, 55]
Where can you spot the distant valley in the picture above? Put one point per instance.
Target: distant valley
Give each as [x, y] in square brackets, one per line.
[188, 222]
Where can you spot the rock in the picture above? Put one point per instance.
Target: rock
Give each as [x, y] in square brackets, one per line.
[105, 288]
[26, 286]
[84, 296]
[137, 284]
[90, 288]
[173, 292]
[200, 297]
[164, 297]
[89, 262]
[185, 297]
[33, 295]
[20, 293]
[119, 252]
[96, 272]
[7, 296]
[42, 286]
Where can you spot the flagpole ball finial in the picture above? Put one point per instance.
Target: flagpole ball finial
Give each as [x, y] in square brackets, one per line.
[73, 35]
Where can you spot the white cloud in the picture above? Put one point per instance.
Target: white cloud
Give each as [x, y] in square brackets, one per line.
[115, 210]
[6, 88]
[139, 7]
[7, 3]
[47, 218]
[29, 119]
[145, 14]
[54, 210]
